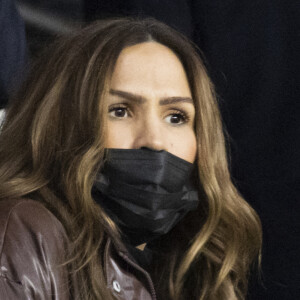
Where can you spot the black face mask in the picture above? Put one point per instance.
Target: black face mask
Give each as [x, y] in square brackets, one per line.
[145, 192]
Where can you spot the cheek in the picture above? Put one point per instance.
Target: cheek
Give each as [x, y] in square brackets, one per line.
[184, 146]
[118, 135]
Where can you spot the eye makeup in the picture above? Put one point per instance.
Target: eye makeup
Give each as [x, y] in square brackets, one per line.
[177, 117]
[120, 110]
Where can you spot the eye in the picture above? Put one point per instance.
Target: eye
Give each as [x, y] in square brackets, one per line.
[177, 118]
[118, 112]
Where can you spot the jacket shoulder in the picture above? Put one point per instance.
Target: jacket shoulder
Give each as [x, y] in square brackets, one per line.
[27, 215]
[33, 244]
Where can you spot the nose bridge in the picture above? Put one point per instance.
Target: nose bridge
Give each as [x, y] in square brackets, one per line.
[150, 133]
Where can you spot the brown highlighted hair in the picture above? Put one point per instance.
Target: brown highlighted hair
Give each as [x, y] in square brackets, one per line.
[52, 145]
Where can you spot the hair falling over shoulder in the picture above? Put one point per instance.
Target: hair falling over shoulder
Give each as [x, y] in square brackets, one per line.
[52, 145]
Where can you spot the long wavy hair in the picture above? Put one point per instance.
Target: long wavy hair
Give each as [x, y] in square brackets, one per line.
[52, 145]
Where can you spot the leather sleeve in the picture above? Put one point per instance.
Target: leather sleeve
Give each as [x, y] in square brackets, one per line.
[32, 244]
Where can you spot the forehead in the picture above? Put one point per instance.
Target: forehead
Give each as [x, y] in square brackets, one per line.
[150, 68]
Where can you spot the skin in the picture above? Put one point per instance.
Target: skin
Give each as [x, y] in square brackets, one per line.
[150, 103]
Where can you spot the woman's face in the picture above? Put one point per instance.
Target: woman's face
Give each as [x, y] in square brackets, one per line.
[150, 103]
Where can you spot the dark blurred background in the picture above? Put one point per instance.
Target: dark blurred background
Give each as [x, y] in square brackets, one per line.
[45, 19]
[252, 52]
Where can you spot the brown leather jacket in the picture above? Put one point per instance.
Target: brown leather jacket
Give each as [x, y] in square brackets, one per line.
[32, 240]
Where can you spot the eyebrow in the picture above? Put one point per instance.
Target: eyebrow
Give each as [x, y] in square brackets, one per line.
[140, 99]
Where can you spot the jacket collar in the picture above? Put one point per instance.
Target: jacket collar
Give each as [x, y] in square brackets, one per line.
[124, 276]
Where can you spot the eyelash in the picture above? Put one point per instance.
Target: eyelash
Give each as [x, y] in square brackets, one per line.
[184, 115]
[118, 106]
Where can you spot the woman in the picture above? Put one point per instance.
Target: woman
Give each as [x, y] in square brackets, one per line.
[97, 155]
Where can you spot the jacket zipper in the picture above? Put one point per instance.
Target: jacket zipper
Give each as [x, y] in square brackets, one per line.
[150, 282]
